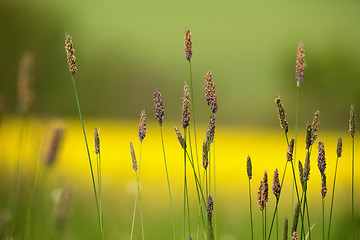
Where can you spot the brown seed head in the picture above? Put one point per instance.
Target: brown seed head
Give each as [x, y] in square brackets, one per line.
[142, 126]
[158, 107]
[296, 218]
[295, 236]
[323, 186]
[210, 133]
[265, 189]
[209, 209]
[186, 107]
[339, 147]
[321, 157]
[261, 203]
[289, 154]
[352, 121]
[306, 174]
[210, 92]
[97, 140]
[282, 114]
[205, 153]
[53, 149]
[285, 232]
[70, 52]
[25, 93]
[249, 167]
[187, 44]
[301, 174]
[276, 184]
[308, 140]
[180, 138]
[300, 65]
[315, 126]
[133, 157]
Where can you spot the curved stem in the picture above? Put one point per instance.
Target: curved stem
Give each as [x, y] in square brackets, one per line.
[332, 197]
[88, 153]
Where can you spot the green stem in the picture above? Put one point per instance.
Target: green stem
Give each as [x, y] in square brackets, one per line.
[88, 153]
[308, 216]
[185, 184]
[265, 223]
[134, 212]
[323, 220]
[332, 198]
[251, 221]
[138, 189]
[168, 183]
[352, 187]
[295, 143]
[100, 189]
[277, 225]
[193, 115]
[263, 232]
[214, 214]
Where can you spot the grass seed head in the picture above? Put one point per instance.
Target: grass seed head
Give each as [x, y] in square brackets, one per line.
[133, 157]
[339, 147]
[321, 157]
[285, 232]
[352, 121]
[301, 174]
[205, 153]
[323, 186]
[315, 126]
[186, 110]
[158, 107]
[300, 65]
[261, 203]
[265, 189]
[282, 115]
[210, 133]
[210, 92]
[70, 52]
[249, 167]
[142, 126]
[290, 150]
[26, 95]
[97, 140]
[187, 44]
[180, 138]
[308, 139]
[306, 174]
[296, 218]
[276, 184]
[53, 149]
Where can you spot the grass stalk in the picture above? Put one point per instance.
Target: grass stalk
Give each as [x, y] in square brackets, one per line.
[332, 197]
[323, 219]
[251, 220]
[88, 153]
[295, 144]
[277, 225]
[185, 189]
[168, 183]
[262, 217]
[352, 187]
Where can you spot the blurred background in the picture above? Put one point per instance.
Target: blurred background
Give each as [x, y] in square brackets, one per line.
[127, 49]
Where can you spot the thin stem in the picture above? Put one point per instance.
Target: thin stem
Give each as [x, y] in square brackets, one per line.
[277, 225]
[134, 212]
[168, 182]
[193, 114]
[277, 201]
[214, 214]
[332, 197]
[262, 216]
[265, 223]
[88, 153]
[352, 187]
[323, 220]
[308, 216]
[295, 144]
[100, 190]
[185, 187]
[251, 221]
[138, 189]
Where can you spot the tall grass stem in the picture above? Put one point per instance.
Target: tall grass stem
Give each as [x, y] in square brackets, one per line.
[332, 197]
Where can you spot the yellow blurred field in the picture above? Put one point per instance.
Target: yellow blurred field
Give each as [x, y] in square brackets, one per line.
[267, 148]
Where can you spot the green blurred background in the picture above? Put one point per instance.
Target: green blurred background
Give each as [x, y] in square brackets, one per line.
[126, 49]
